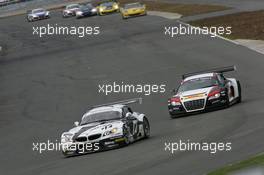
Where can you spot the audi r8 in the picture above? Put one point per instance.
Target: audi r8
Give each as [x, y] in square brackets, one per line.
[37, 14]
[133, 9]
[203, 91]
[104, 127]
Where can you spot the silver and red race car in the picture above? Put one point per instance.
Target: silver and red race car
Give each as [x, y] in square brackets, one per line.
[203, 91]
[70, 10]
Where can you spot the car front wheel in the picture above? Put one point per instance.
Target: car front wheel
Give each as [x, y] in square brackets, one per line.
[146, 128]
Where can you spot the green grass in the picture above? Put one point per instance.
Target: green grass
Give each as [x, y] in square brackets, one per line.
[252, 162]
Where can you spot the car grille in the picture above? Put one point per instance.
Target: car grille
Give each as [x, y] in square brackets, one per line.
[94, 137]
[194, 104]
[81, 139]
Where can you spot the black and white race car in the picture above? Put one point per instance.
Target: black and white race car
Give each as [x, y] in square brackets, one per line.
[203, 91]
[104, 127]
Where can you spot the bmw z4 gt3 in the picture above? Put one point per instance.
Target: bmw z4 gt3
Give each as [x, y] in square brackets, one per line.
[205, 90]
[104, 127]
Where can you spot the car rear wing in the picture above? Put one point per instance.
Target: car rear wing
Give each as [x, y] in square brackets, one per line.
[215, 70]
[123, 102]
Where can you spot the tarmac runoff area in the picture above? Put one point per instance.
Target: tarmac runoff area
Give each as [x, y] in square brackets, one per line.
[257, 45]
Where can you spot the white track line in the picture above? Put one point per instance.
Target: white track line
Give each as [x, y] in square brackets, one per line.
[223, 38]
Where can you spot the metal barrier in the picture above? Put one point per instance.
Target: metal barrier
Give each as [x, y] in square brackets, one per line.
[8, 2]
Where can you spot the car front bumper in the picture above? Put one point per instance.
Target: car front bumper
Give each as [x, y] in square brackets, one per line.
[105, 11]
[213, 104]
[134, 13]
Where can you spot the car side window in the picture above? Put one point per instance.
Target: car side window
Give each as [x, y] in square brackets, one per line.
[221, 79]
[129, 109]
[126, 109]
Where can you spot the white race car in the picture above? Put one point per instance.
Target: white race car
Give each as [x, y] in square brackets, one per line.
[204, 90]
[104, 127]
[70, 10]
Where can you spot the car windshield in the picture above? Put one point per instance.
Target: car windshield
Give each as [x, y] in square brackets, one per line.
[107, 4]
[84, 7]
[38, 11]
[73, 6]
[89, 5]
[134, 5]
[101, 116]
[198, 83]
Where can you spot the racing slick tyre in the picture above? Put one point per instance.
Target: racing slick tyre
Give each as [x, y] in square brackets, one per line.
[64, 15]
[146, 128]
[227, 104]
[30, 19]
[239, 98]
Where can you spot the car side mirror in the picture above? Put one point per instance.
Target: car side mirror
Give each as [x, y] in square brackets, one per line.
[76, 124]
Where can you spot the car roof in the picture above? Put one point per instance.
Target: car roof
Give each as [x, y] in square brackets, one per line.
[73, 5]
[117, 108]
[38, 9]
[133, 3]
[199, 76]
[107, 2]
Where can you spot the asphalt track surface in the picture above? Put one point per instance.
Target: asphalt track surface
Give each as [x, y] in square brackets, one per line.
[47, 83]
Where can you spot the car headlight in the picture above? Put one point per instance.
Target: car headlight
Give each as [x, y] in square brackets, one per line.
[115, 6]
[112, 131]
[47, 13]
[67, 137]
[79, 13]
[101, 9]
[94, 10]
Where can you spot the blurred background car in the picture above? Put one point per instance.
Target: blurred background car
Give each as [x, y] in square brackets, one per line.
[37, 14]
[70, 10]
[86, 10]
[133, 9]
[106, 7]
